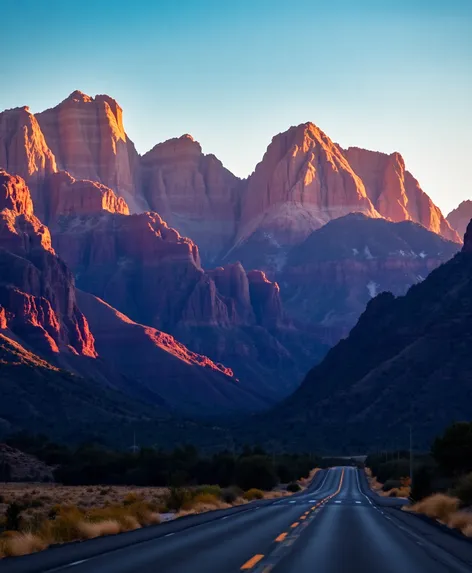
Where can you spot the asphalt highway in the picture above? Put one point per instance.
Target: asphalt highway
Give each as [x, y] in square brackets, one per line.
[335, 526]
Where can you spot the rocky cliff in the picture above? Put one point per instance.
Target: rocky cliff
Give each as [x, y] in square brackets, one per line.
[23, 148]
[407, 361]
[302, 182]
[460, 217]
[87, 137]
[395, 193]
[36, 289]
[330, 277]
[193, 192]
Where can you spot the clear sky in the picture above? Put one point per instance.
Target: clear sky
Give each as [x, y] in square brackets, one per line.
[389, 75]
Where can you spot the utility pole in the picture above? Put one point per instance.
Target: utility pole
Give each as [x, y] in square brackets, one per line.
[411, 456]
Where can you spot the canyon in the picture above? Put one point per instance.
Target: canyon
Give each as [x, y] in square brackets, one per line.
[168, 279]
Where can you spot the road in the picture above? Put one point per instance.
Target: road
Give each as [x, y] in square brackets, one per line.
[335, 526]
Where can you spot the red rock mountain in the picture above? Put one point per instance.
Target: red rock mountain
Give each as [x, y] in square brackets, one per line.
[144, 268]
[192, 192]
[88, 140]
[302, 182]
[39, 310]
[460, 217]
[395, 193]
[36, 289]
[64, 195]
[23, 148]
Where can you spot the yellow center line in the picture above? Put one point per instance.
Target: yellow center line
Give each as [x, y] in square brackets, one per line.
[294, 524]
[281, 537]
[303, 517]
[253, 561]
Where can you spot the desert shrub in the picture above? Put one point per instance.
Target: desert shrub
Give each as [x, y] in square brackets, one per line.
[422, 483]
[13, 516]
[256, 472]
[253, 493]
[437, 506]
[207, 499]
[91, 530]
[293, 487]
[131, 498]
[211, 489]
[463, 490]
[391, 484]
[231, 494]
[65, 526]
[23, 544]
[177, 498]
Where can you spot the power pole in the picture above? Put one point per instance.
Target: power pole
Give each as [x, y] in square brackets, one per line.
[411, 456]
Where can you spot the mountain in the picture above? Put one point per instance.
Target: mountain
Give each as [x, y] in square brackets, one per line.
[146, 270]
[193, 192]
[40, 398]
[329, 278]
[407, 361]
[302, 182]
[39, 312]
[87, 137]
[395, 193]
[459, 218]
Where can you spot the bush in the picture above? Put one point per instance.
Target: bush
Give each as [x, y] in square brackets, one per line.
[211, 489]
[293, 487]
[230, 494]
[437, 506]
[253, 494]
[391, 484]
[177, 498]
[12, 516]
[463, 490]
[256, 472]
[22, 544]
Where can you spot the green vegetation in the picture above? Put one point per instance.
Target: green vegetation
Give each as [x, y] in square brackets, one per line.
[185, 466]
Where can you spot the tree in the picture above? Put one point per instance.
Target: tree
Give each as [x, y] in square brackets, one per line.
[453, 450]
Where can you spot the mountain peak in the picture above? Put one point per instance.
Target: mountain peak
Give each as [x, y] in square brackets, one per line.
[78, 96]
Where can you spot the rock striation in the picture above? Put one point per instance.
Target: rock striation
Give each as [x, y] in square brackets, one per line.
[193, 192]
[395, 193]
[65, 195]
[302, 182]
[87, 137]
[37, 290]
[23, 148]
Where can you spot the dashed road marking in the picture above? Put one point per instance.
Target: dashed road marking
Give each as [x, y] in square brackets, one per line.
[251, 562]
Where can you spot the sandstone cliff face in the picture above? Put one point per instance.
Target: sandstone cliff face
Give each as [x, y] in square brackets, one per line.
[193, 192]
[23, 148]
[302, 182]
[329, 279]
[148, 271]
[88, 139]
[65, 195]
[395, 193]
[459, 218]
[36, 288]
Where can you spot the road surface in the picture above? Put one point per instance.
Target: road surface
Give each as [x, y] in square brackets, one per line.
[336, 526]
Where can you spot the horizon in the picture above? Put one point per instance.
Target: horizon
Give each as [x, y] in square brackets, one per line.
[230, 82]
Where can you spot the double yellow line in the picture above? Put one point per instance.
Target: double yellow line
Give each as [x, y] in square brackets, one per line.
[257, 558]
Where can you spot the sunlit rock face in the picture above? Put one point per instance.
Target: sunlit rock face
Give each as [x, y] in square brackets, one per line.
[88, 140]
[64, 195]
[460, 217]
[193, 192]
[37, 292]
[23, 148]
[395, 193]
[302, 182]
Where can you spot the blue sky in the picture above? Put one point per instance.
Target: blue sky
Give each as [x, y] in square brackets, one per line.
[381, 74]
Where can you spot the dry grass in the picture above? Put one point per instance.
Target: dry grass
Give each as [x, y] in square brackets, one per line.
[438, 506]
[444, 508]
[22, 544]
[60, 514]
